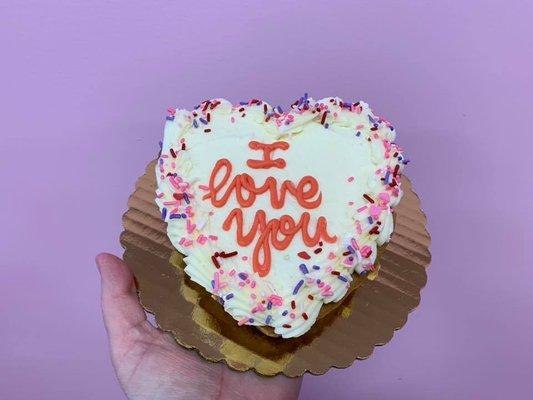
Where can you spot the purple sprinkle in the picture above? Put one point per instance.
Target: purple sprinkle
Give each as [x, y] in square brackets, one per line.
[186, 198]
[243, 103]
[229, 296]
[387, 175]
[343, 278]
[184, 216]
[213, 284]
[316, 267]
[370, 220]
[350, 258]
[268, 319]
[298, 286]
[170, 118]
[269, 305]
[251, 320]
[203, 121]
[326, 125]
[358, 134]
[372, 120]
[280, 110]
[243, 276]
[351, 249]
[284, 313]
[175, 216]
[304, 269]
[195, 123]
[163, 213]
[160, 144]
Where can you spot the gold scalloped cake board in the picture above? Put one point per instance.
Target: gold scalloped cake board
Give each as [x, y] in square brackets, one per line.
[366, 318]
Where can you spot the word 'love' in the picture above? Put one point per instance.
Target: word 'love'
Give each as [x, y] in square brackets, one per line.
[276, 232]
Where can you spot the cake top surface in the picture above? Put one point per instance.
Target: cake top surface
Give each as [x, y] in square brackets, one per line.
[274, 211]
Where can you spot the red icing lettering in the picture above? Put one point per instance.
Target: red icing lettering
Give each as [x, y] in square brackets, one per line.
[277, 232]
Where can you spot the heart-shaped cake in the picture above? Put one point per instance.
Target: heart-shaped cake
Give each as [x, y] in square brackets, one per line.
[275, 211]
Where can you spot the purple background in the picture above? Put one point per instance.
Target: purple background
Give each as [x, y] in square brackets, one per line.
[84, 88]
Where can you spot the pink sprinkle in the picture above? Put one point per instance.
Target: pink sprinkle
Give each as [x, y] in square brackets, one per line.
[331, 255]
[384, 196]
[252, 285]
[190, 227]
[232, 272]
[171, 203]
[253, 296]
[188, 243]
[366, 251]
[292, 315]
[201, 239]
[358, 227]
[329, 269]
[173, 165]
[164, 156]
[350, 179]
[350, 203]
[203, 187]
[378, 171]
[244, 258]
[375, 210]
[160, 195]
[211, 213]
[321, 284]
[361, 209]
[213, 237]
[242, 321]
[232, 120]
[182, 240]
[174, 182]
[359, 127]
[241, 284]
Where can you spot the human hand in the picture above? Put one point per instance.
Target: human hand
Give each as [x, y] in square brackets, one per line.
[150, 365]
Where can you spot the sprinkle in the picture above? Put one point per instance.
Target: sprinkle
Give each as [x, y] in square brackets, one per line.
[243, 275]
[304, 255]
[304, 316]
[251, 320]
[183, 146]
[227, 255]
[317, 251]
[203, 121]
[292, 315]
[215, 261]
[361, 209]
[335, 273]
[316, 267]
[323, 119]
[350, 179]
[293, 304]
[203, 187]
[304, 269]
[310, 297]
[242, 321]
[370, 220]
[268, 319]
[173, 153]
[195, 123]
[298, 286]
[175, 216]
[343, 278]
[229, 296]
[286, 326]
[207, 130]
[186, 198]
[367, 197]
[284, 313]
[269, 305]
[163, 213]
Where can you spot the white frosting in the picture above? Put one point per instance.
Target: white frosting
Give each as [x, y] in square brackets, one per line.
[348, 150]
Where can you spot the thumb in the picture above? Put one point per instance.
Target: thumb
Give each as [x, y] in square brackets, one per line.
[120, 305]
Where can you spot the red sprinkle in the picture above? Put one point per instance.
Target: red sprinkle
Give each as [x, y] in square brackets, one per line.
[215, 261]
[227, 255]
[310, 297]
[323, 117]
[304, 255]
[304, 315]
[183, 146]
[286, 325]
[337, 273]
[173, 153]
[178, 196]
[367, 197]
[293, 304]
[319, 250]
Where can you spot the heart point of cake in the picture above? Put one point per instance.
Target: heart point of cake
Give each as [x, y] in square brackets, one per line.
[274, 211]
